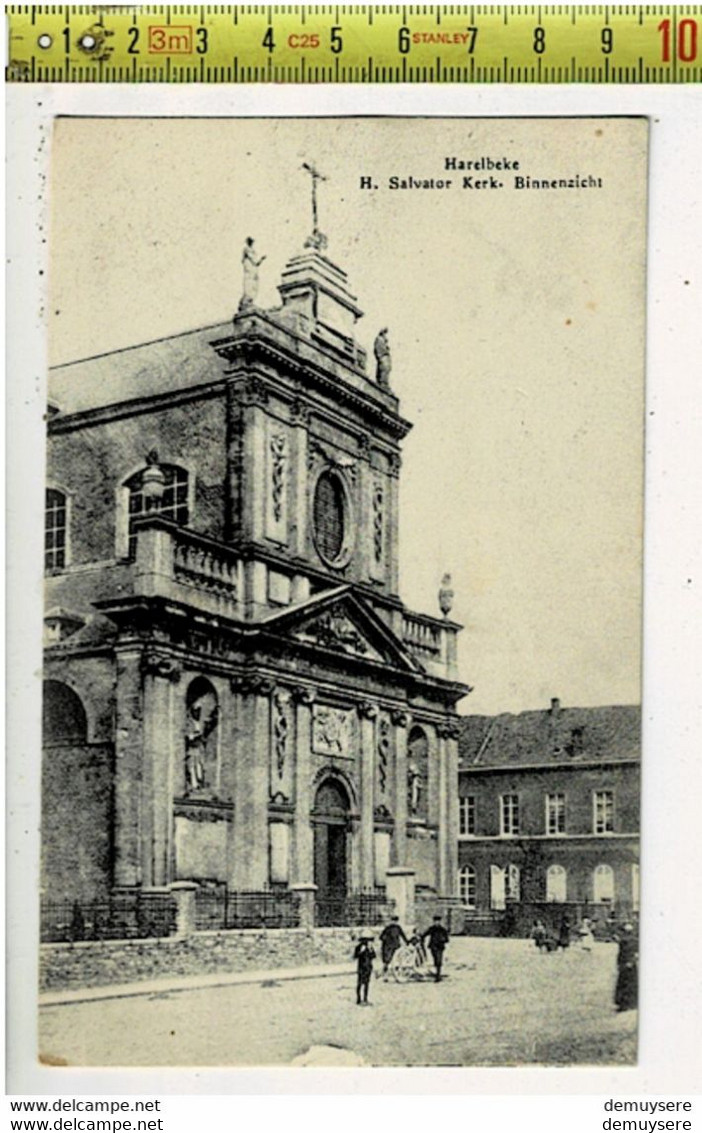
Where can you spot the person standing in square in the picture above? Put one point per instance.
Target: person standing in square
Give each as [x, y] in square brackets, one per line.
[364, 955]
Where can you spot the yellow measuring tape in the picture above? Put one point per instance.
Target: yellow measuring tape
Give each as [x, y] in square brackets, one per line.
[216, 43]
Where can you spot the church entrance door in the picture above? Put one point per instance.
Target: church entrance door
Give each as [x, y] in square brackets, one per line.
[331, 823]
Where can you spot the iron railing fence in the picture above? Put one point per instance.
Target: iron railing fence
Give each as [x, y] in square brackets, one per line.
[219, 908]
[366, 907]
[138, 916]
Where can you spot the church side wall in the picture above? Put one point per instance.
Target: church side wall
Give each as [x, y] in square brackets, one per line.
[92, 462]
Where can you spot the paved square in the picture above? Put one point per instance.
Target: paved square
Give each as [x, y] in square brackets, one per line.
[502, 1004]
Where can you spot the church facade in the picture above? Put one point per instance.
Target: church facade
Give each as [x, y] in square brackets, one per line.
[235, 693]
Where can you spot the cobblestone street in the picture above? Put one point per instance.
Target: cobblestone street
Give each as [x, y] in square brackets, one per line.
[502, 1004]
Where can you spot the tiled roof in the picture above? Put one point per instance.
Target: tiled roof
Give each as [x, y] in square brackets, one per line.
[551, 735]
[178, 362]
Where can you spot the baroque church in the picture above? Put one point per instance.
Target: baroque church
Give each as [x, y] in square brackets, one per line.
[234, 692]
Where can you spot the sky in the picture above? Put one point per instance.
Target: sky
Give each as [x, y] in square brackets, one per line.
[516, 322]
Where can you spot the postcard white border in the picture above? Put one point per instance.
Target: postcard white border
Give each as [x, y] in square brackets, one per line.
[672, 779]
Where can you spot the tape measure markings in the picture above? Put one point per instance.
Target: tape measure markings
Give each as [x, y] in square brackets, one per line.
[347, 43]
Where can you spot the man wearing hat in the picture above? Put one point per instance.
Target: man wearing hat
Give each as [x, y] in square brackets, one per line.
[364, 956]
[438, 939]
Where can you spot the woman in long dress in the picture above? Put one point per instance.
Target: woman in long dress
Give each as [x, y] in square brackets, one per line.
[626, 991]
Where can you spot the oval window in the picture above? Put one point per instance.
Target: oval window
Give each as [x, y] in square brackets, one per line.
[329, 517]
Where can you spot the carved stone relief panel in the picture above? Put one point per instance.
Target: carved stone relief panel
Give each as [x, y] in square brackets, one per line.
[277, 481]
[282, 746]
[333, 731]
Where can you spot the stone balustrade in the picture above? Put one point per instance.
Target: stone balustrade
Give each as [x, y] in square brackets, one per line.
[432, 641]
[174, 563]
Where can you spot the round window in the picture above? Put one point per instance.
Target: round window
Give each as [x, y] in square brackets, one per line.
[330, 518]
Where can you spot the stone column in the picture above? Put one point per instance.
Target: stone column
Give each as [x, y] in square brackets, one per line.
[302, 847]
[367, 712]
[160, 674]
[251, 791]
[401, 723]
[129, 749]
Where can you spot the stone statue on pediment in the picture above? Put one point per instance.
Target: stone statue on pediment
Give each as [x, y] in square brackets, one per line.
[383, 360]
[250, 265]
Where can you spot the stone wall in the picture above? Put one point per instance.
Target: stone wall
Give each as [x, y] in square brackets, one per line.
[100, 963]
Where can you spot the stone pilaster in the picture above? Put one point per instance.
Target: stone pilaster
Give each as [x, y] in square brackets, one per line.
[160, 675]
[448, 808]
[302, 848]
[400, 722]
[368, 713]
[300, 418]
[251, 784]
[129, 746]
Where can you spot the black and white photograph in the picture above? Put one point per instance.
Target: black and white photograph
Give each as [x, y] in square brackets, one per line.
[343, 592]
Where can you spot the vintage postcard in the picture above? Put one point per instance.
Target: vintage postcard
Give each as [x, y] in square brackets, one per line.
[343, 555]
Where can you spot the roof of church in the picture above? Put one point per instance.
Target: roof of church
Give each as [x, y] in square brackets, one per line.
[166, 364]
[551, 735]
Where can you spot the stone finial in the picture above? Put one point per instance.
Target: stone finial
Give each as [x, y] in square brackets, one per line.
[446, 595]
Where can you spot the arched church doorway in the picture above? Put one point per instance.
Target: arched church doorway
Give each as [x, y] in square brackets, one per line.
[330, 817]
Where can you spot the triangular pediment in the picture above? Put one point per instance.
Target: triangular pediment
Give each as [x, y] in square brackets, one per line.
[343, 622]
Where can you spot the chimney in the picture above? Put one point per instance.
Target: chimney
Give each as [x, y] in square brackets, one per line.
[555, 705]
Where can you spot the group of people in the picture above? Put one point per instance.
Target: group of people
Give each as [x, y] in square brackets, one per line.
[626, 988]
[392, 938]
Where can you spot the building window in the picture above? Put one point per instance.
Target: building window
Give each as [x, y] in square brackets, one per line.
[173, 505]
[330, 519]
[467, 886]
[555, 814]
[55, 530]
[635, 896]
[466, 816]
[603, 806]
[512, 883]
[509, 815]
[603, 884]
[556, 884]
[497, 887]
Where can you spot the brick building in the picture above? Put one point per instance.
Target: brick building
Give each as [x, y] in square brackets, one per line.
[549, 809]
[235, 693]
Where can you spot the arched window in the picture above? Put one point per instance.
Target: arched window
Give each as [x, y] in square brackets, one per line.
[55, 530]
[467, 886]
[603, 883]
[63, 718]
[173, 504]
[556, 884]
[418, 774]
[202, 718]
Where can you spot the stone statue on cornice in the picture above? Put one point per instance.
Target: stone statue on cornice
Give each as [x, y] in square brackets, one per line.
[383, 360]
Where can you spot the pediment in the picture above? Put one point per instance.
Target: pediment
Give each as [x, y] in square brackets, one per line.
[344, 623]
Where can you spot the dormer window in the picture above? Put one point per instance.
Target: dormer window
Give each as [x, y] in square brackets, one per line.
[171, 502]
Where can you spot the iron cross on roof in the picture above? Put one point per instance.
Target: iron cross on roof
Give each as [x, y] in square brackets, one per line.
[317, 239]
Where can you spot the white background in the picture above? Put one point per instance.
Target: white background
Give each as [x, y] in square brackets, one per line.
[672, 926]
